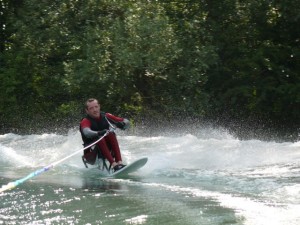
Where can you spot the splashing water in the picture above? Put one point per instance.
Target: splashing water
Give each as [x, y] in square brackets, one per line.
[204, 178]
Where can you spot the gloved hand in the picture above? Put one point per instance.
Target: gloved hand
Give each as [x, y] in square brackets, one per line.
[120, 125]
[123, 125]
[101, 132]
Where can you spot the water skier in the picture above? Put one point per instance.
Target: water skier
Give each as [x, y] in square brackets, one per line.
[95, 125]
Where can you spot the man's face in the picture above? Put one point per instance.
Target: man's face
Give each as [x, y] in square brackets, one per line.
[93, 109]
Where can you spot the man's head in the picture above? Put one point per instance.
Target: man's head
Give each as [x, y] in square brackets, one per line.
[92, 108]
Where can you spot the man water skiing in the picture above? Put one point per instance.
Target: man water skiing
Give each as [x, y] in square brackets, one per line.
[95, 125]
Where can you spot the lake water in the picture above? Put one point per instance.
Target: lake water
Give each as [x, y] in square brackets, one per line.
[208, 177]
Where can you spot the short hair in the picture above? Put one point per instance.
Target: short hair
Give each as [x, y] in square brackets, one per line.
[90, 100]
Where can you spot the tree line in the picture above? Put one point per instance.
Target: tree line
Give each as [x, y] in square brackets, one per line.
[227, 61]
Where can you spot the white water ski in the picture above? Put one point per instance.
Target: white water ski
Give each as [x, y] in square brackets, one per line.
[130, 168]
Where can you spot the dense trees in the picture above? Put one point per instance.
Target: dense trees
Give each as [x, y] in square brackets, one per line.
[258, 76]
[235, 59]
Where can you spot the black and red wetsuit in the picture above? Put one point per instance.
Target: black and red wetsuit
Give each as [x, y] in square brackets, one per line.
[108, 144]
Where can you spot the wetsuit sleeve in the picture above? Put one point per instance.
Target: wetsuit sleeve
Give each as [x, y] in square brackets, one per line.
[85, 123]
[120, 122]
[85, 126]
[114, 119]
[89, 133]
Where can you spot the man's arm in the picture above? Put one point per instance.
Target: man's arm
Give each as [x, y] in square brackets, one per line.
[85, 126]
[87, 132]
[114, 119]
[120, 122]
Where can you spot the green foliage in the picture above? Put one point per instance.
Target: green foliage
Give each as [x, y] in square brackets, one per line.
[257, 74]
[205, 58]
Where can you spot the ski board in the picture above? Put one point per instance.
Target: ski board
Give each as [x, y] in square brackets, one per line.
[130, 168]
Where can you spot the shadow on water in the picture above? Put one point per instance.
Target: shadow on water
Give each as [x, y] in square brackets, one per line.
[90, 180]
[104, 184]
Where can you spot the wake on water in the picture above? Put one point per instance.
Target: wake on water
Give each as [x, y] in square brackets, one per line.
[259, 180]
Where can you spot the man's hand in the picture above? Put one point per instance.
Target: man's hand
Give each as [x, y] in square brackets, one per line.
[120, 125]
[102, 132]
[123, 125]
